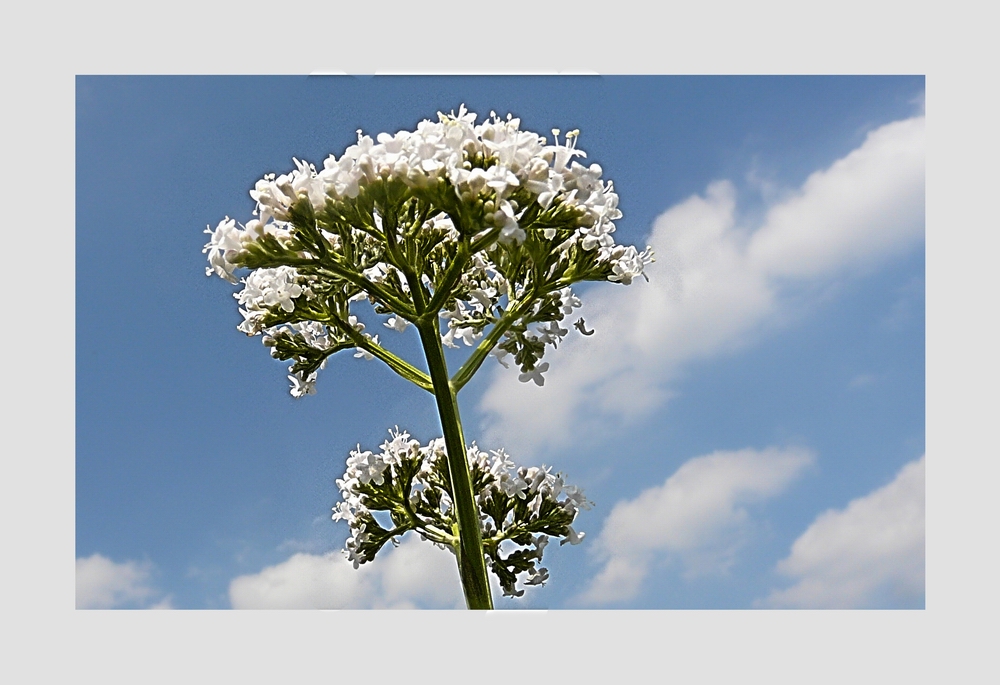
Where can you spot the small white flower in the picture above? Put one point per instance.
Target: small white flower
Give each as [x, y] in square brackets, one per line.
[225, 243]
[500, 353]
[630, 264]
[302, 386]
[535, 505]
[574, 496]
[510, 231]
[572, 537]
[551, 333]
[285, 293]
[342, 512]
[540, 541]
[397, 323]
[568, 301]
[514, 486]
[483, 298]
[252, 321]
[537, 577]
[500, 178]
[535, 374]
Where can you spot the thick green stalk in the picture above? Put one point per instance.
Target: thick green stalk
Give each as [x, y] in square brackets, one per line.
[471, 562]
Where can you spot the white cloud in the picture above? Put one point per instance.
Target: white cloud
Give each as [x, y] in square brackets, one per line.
[869, 554]
[699, 516]
[415, 574]
[103, 584]
[714, 286]
[863, 207]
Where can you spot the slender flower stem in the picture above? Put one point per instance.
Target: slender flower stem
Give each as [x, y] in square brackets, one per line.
[471, 561]
[331, 266]
[451, 277]
[472, 364]
[400, 366]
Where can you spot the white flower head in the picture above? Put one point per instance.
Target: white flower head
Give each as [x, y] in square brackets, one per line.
[371, 483]
[494, 165]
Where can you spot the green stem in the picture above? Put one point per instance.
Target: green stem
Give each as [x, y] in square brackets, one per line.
[407, 371]
[331, 266]
[472, 364]
[451, 277]
[379, 293]
[389, 224]
[484, 240]
[471, 561]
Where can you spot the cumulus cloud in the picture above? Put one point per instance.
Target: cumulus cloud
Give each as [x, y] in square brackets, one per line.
[714, 286]
[699, 517]
[414, 575]
[104, 584]
[867, 555]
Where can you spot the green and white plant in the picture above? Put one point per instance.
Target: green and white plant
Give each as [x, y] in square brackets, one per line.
[467, 232]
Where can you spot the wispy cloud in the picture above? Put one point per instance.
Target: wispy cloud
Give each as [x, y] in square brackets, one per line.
[104, 584]
[869, 554]
[414, 575]
[700, 516]
[714, 287]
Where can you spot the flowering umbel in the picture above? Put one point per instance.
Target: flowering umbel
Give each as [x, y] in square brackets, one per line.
[520, 508]
[471, 233]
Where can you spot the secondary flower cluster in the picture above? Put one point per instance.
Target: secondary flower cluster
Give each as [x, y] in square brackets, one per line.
[485, 224]
[521, 508]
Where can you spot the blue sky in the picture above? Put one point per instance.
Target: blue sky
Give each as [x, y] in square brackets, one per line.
[781, 337]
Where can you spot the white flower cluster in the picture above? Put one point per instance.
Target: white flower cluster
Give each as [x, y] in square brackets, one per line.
[533, 485]
[489, 184]
[263, 290]
[536, 336]
[367, 470]
[484, 287]
[227, 242]
[520, 507]
[443, 150]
